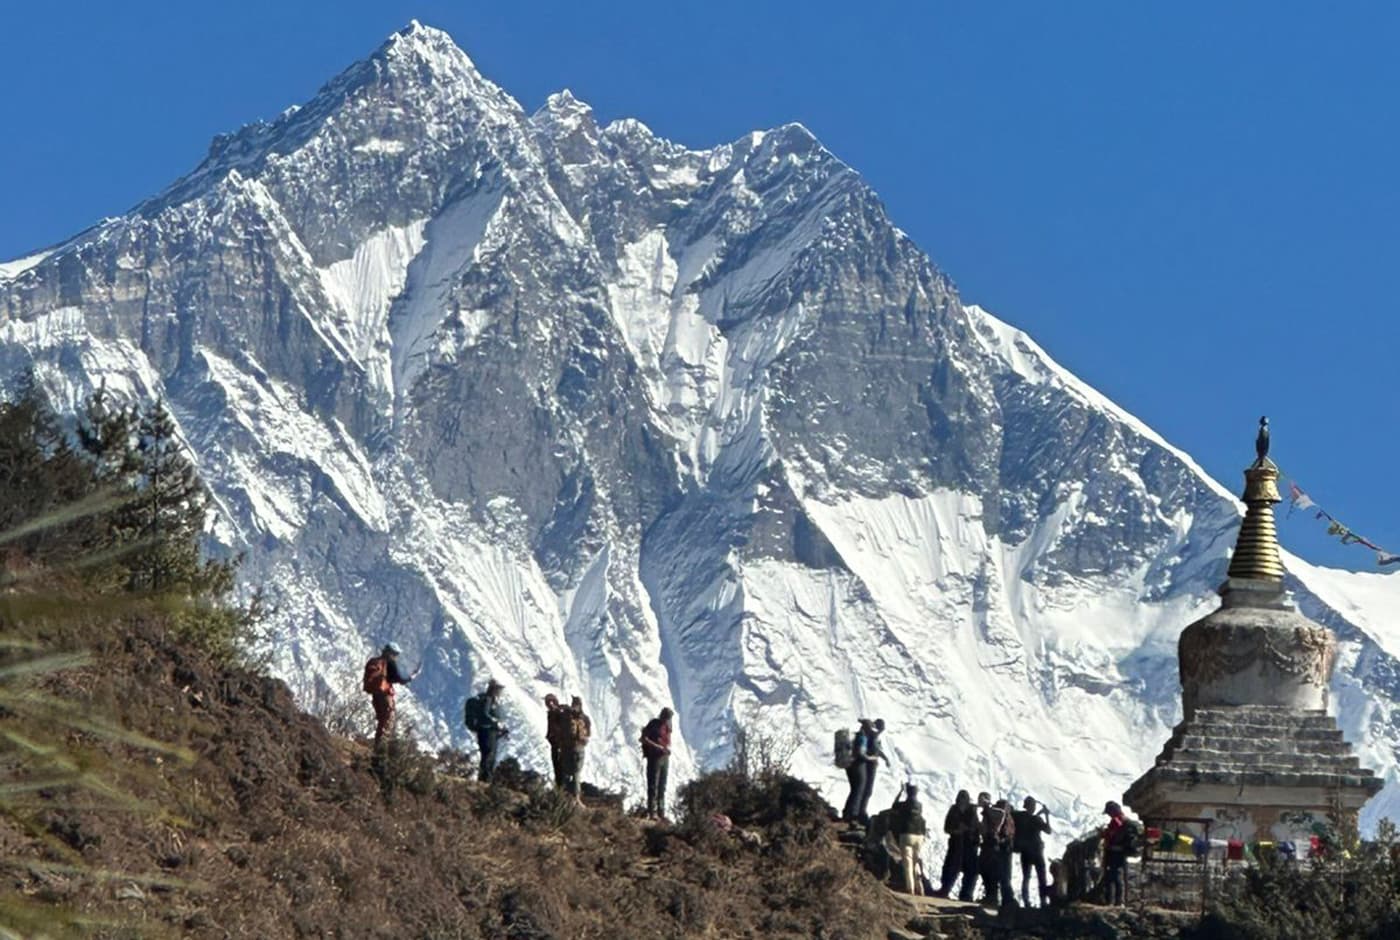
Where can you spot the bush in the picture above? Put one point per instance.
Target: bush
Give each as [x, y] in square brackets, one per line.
[1349, 896]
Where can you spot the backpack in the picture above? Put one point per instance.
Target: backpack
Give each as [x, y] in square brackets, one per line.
[1131, 838]
[843, 751]
[579, 728]
[908, 818]
[377, 676]
[474, 713]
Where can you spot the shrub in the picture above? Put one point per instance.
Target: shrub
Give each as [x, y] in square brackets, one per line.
[1353, 895]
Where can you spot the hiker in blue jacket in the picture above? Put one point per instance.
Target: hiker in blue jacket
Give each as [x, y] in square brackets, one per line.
[865, 755]
[483, 716]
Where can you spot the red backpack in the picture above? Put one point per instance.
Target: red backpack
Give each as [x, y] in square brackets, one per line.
[377, 676]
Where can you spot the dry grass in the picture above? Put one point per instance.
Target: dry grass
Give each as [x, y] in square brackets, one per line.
[277, 828]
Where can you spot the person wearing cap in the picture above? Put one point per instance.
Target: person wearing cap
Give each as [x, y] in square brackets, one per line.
[482, 715]
[656, 749]
[1116, 838]
[1031, 825]
[382, 673]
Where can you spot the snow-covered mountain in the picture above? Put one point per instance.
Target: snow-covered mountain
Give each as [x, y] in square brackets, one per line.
[582, 409]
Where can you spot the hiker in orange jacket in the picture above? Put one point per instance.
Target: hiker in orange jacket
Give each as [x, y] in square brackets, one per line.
[382, 673]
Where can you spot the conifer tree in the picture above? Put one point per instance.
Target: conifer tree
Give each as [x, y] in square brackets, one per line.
[169, 510]
[39, 472]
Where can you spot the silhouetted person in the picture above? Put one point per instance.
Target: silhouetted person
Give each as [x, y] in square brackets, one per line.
[960, 826]
[998, 834]
[1031, 826]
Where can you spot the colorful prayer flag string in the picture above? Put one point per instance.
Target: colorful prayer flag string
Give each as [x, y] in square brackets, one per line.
[1297, 499]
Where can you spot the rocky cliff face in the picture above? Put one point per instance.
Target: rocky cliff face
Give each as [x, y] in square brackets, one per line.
[581, 409]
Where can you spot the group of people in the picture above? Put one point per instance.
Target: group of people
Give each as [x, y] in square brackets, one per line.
[983, 837]
[567, 730]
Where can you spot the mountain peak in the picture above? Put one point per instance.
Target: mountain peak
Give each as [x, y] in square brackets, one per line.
[425, 45]
[564, 102]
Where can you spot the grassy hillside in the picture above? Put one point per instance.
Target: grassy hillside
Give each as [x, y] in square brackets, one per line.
[251, 820]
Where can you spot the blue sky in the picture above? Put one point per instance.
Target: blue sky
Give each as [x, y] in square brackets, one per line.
[1193, 206]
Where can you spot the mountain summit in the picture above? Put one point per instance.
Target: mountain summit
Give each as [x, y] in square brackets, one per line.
[584, 410]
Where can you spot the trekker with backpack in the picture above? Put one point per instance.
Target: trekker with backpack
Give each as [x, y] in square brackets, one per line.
[857, 769]
[873, 755]
[960, 826]
[382, 673]
[580, 729]
[908, 827]
[1119, 842]
[865, 757]
[482, 715]
[556, 732]
[656, 748]
[998, 836]
[1031, 826]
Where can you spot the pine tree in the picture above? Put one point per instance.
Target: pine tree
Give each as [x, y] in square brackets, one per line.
[106, 435]
[40, 475]
[169, 511]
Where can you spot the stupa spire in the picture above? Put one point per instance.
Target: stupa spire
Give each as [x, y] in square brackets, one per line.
[1256, 556]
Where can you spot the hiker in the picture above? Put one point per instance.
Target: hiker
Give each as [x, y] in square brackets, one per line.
[856, 772]
[381, 675]
[482, 715]
[984, 849]
[656, 748]
[960, 825]
[865, 756]
[908, 827]
[873, 755]
[1031, 826]
[1117, 845]
[580, 729]
[556, 732]
[998, 834]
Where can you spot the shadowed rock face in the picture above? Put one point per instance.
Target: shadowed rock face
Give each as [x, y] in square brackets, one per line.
[579, 408]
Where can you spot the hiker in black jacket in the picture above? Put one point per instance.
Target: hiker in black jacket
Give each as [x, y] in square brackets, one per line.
[908, 827]
[960, 826]
[1031, 826]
